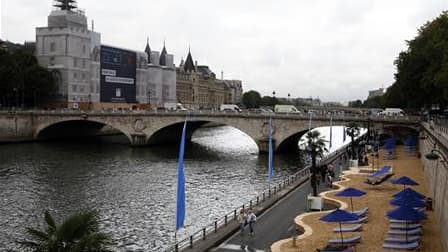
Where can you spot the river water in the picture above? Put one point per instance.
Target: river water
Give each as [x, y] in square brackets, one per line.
[133, 188]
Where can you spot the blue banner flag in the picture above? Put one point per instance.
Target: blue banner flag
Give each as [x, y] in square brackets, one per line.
[271, 153]
[180, 213]
[331, 131]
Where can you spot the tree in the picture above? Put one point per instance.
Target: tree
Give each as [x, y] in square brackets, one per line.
[315, 147]
[251, 99]
[422, 69]
[355, 104]
[352, 131]
[78, 233]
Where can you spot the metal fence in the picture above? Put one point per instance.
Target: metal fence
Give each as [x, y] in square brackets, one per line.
[299, 177]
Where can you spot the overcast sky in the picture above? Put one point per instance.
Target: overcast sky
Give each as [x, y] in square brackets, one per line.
[336, 50]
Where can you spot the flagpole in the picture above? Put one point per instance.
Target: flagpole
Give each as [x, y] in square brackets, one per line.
[180, 196]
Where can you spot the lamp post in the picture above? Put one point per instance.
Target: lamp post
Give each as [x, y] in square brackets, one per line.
[289, 97]
[90, 101]
[273, 100]
[148, 97]
[436, 155]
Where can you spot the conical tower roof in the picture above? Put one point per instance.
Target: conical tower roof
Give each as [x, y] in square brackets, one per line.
[162, 60]
[148, 50]
[189, 64]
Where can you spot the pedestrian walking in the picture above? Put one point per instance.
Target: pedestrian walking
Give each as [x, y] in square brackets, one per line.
[242, 220]
[251, 218]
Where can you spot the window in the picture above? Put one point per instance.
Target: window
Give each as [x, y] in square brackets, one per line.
[74, 88]
[52, 46]
[84, 64]
[75, 62]
[83, 76]
[81, 89]
[84, 49]
[75, 75]
[118, 92]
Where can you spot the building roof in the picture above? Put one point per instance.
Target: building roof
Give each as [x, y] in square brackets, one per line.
[162, 60]
[189, 64]
[148, 50]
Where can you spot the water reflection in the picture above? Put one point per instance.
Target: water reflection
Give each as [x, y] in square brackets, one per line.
[134, 188]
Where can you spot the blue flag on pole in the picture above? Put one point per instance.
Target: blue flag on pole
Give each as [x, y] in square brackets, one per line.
[180, 213]
[271, 153]
[331, 131]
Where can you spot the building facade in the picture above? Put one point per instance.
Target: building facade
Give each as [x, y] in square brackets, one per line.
[95, 76]
[375, 93]
[198, 87]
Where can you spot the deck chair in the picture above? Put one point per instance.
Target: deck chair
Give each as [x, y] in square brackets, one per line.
[410, 239]
[405, 232]
[348, 229]
[361, 212]
[351, 240]
[404, 226]
[378, 181]
[405, 246]
[360, 220]
[402, 221]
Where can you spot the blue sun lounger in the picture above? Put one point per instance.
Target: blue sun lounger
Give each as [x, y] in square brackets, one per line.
[405, 232]
[348, 229]
[402, 221]
[361, 212]
[360, 220]
[404, 226]
[410, 239]
[351, 240]
[404, 246]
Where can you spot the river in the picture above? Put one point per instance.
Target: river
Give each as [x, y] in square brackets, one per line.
[133, 188]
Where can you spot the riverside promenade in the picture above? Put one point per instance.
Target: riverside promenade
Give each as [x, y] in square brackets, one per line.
[373, 233]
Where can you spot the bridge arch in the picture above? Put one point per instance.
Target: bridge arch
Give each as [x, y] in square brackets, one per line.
[171, 132]
[74, 127]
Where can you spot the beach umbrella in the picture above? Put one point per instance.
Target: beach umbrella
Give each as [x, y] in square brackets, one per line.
[339, 216]
[350, 192]
[409, 192]
[409, 201]
[406, 214]
[404, 180]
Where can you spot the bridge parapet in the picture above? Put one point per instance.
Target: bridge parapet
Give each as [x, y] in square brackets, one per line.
[147, 127]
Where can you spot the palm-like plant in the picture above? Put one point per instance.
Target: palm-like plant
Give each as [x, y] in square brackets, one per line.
[315, 146]
[353, 131]
[78, 233]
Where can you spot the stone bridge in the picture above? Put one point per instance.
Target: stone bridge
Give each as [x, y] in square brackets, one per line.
[150, 128]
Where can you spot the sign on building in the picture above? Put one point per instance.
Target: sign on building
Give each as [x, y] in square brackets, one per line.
[118, 75]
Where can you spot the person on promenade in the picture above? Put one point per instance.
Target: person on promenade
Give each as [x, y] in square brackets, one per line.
[242, 220]
[251, 218]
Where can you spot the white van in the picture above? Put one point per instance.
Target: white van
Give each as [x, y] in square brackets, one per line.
[392, 112]
[174, 106]
[286, 109]
[229, 107]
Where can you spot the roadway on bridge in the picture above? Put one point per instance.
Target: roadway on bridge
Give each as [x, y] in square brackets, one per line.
[275, 224]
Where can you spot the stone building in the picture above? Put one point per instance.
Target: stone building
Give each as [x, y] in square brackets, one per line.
[198, 87]
[74, 54]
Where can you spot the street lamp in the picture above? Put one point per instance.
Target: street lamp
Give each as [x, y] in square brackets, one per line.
[148, 97]
[273, 100]
[289, 97]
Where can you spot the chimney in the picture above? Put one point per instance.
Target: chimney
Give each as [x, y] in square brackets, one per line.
[222, 75]
[196, 65]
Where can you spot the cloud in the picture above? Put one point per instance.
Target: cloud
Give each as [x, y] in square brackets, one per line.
[335, 50]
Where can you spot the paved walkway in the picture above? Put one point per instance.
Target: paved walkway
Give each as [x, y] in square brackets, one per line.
[275, 224]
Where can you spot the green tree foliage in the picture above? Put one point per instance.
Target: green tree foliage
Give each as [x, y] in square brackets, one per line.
[251, 99]
[315, 147]
[23, 81]
[78, 233]
[355, 104]
[374, 102]
[422, 70]
[352, 131]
